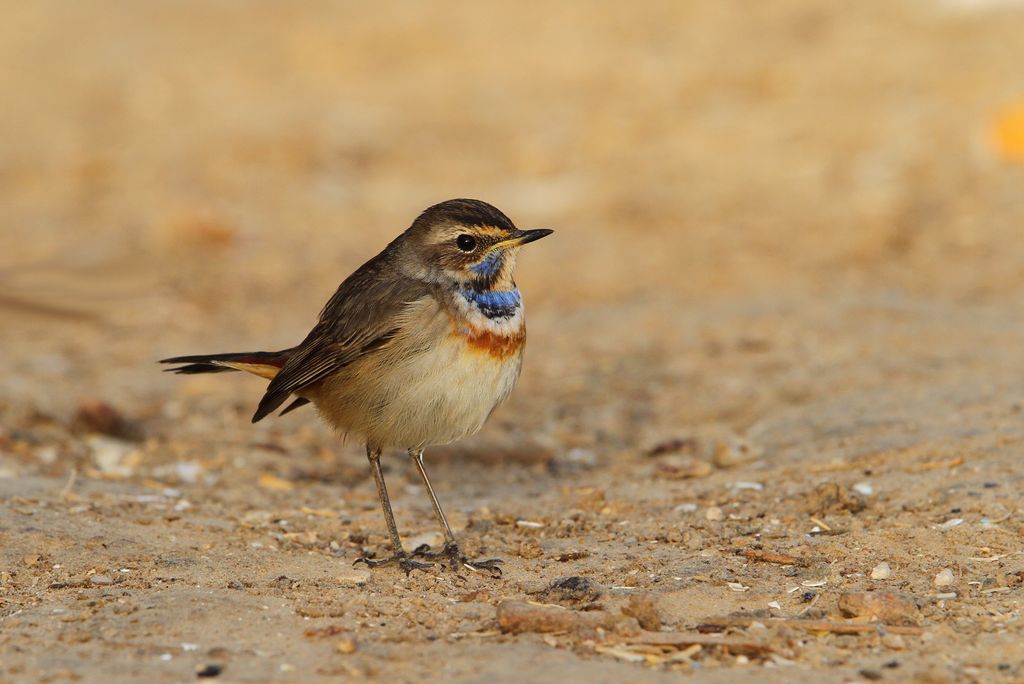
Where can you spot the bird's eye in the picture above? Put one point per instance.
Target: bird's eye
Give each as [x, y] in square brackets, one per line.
[467, 243]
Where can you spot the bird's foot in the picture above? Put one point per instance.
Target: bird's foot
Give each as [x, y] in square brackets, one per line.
[401, 559]
[450, 552]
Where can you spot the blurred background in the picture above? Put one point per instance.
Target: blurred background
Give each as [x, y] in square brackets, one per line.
[782, 308]
[182, 177]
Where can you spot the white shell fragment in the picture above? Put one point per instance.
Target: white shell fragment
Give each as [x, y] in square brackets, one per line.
[864, 488]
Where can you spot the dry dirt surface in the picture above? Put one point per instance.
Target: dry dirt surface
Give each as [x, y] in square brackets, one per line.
[771, 421]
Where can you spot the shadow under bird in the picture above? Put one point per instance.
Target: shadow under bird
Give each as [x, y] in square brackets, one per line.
[416, 348]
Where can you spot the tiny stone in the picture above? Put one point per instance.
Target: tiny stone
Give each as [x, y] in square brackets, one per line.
[642, 607]
[882, 571]
[187, 471]
[945, 578]
[864, 488]
[682, 467]
[100, 579]
[686, 508]
[734, 450]
[886, 606]
[576, 459]
[97, 416]
[346, 646]
[894, 641]
[714, 513]
[209, 671]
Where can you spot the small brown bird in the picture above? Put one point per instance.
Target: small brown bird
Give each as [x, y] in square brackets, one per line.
[416, 348]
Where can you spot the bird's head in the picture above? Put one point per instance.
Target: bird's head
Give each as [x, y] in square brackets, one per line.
[467, 243]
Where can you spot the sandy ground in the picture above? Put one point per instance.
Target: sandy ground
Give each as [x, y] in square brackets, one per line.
[774, 360]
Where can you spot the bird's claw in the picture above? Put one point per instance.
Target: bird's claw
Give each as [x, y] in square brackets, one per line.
[450, 552]
[402, 559]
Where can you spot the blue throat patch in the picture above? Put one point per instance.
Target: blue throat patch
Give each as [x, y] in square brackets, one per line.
[494, 303]
[490, 266]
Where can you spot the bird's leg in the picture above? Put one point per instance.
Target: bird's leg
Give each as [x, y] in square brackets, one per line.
[400, 557]
[450, 551]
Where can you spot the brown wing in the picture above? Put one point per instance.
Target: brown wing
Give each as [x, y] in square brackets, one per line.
[362, 316]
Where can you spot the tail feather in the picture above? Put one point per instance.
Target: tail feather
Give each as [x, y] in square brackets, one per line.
[263, 364]
[194, 368]
[298, 403]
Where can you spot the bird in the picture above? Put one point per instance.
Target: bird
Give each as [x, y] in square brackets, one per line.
[415, 349]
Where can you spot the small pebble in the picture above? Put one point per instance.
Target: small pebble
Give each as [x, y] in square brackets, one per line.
[714, 513]
[642, 607]
[209, 671]
[188, 471]
[100, 579]
[346, 646]
[945, 578]
[111, 455]
[671, 446]
[886, 606]
[864, 488]
[686, 508]
[951, 523]
[577, 459]
[47, 454]
[683, 467]
[882, 571]
[946, 596]
[894, 641]
[735, 450]
[97, 416]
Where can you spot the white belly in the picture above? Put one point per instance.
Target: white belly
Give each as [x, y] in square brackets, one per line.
[430, 387]
[443, 395]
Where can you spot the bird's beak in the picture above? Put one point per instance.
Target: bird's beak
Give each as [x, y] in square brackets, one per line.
[521, 237]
